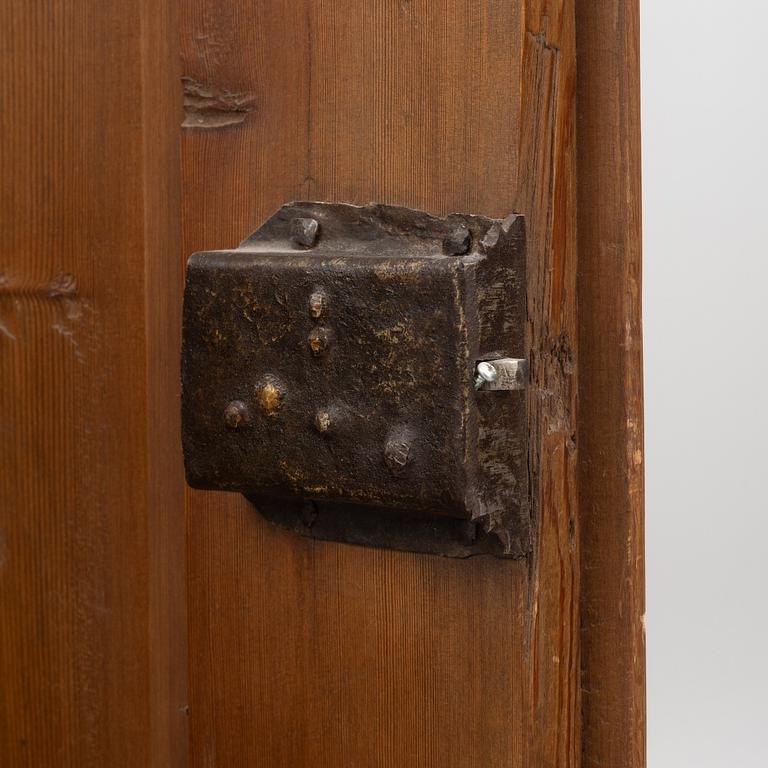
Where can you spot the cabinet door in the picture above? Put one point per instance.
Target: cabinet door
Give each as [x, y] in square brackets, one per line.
[143, 623]
[317, 653]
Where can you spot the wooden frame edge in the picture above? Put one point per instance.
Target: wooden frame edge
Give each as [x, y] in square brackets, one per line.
[610, 435]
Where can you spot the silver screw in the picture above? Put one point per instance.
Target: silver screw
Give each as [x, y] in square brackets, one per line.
[484, 372]
[504, 373]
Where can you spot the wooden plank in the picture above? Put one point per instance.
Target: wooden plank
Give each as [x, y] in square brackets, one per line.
[163, 285]
[547, 196]
[610, 384]
[92, 629]
[309, 653]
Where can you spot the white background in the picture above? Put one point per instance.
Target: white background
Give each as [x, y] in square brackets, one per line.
[705, 211]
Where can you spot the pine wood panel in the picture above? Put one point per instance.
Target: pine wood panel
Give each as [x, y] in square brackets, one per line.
[92, 628]
[611, 384]
[310, 653]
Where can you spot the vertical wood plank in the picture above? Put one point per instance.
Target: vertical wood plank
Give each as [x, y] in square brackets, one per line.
[91, 502]
[310, 653]
[547, 195]
[161, 110]
[610, 385]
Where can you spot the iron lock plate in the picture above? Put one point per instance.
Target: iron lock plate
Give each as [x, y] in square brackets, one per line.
[330, 373]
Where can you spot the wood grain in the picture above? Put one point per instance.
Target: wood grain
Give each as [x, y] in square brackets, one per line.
[309, 653]
[92, 629]
[610, 384]
[547, 194]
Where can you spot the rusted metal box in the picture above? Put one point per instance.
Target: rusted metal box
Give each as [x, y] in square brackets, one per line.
[329, 373]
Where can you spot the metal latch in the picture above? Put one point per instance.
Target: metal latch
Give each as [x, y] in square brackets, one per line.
[359, 374]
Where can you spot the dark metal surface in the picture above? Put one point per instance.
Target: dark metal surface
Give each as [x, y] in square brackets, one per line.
[331, 357]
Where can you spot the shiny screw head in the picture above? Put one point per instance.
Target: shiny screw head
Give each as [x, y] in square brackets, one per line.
[304, 231]
[485, 372]
[457, 242]
[319, 339]
[316, 304]
[236, 413]
[503, 374]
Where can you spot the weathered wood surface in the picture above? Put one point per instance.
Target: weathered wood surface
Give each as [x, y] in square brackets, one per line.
[610, 384]
[321, 654]
[92, 627]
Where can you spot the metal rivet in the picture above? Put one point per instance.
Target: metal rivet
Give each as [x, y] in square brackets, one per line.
[270, 397]
[457, 242]
[304, 231]
[319, 339]
[236, 413]
[397, 451]
[316, 304]
[322, 421]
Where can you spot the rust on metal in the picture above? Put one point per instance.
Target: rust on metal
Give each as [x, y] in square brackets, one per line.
[269, 397]
[319, 340]
[347, 339]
